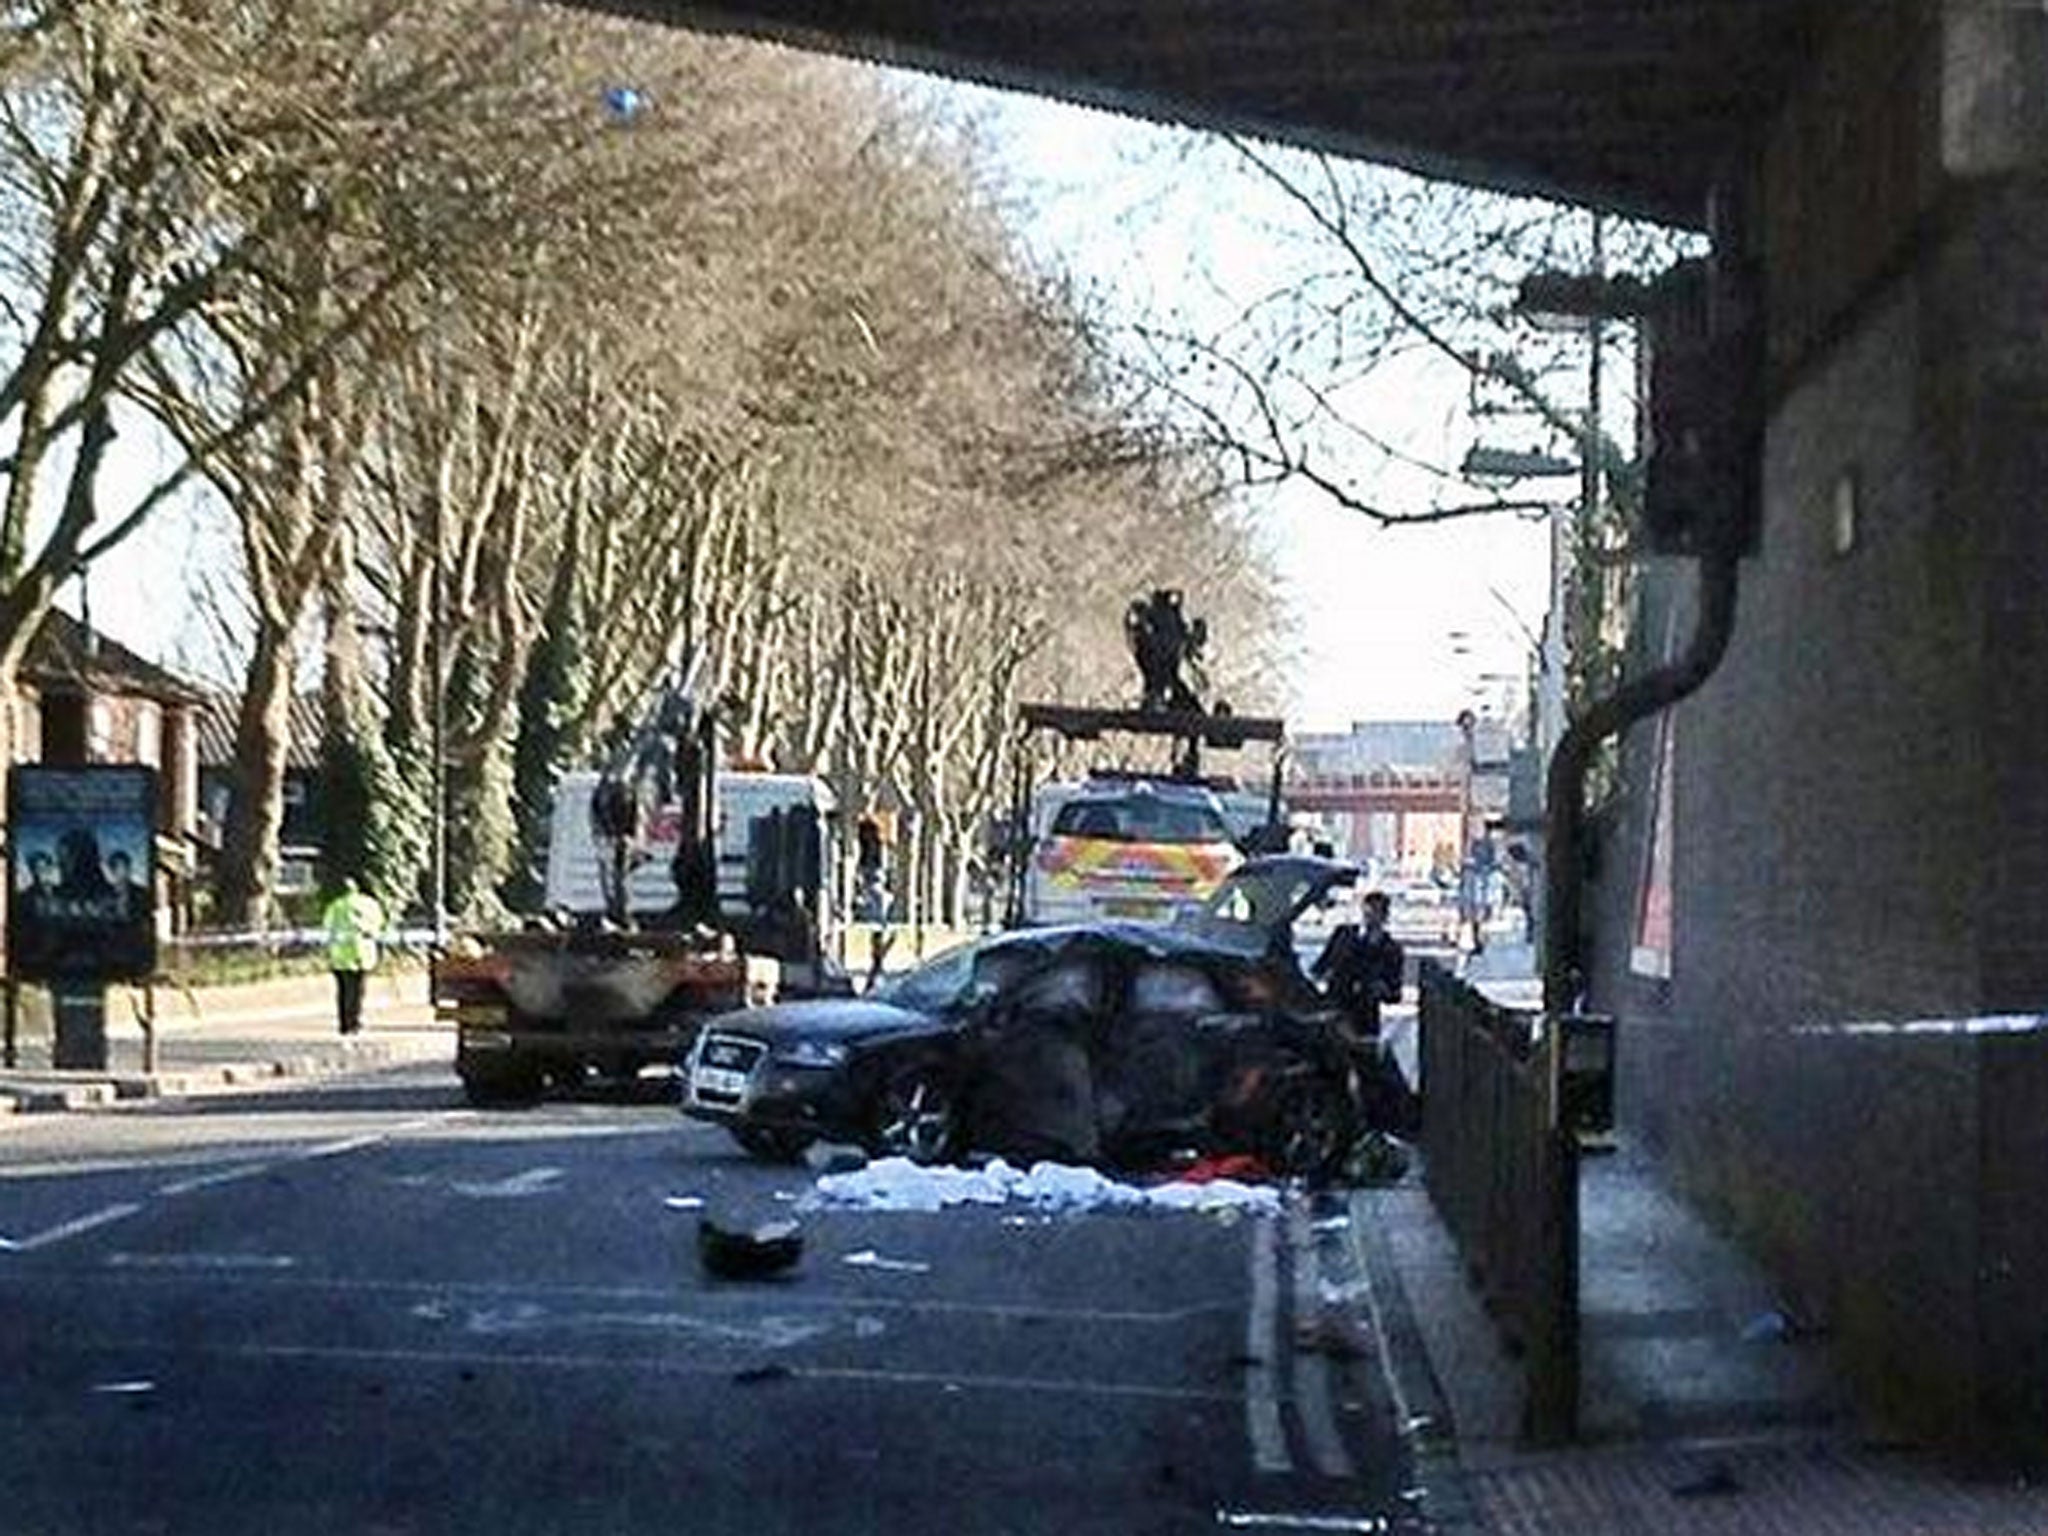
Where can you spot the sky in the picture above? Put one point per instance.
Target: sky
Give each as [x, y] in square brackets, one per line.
[1390, 624]
[148, 592]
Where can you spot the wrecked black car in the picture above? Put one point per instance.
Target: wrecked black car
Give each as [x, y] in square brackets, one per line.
[1112, 1043]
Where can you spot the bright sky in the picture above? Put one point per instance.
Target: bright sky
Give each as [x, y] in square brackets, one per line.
[151, 593]
[1400, 623]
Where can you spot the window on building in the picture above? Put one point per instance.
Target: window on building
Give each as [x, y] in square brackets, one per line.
[99, 735]
[149, 734]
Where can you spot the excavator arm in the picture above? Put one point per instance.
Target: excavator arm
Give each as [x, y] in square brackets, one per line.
[669, 758]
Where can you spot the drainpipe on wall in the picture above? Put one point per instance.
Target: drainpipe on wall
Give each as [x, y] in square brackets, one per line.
[1564, 815]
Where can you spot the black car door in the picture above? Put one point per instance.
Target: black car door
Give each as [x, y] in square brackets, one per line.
[1151, 1073]
[1033, 1077]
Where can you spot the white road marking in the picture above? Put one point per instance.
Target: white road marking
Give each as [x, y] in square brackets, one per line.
[1255, 1520]
[348, 1144]
[867, 1258]
[955, 1382]
[121, 1212]
[316, 1153]
[439, 1293]
[757, 1333]
[214, 1180]
[1404, 1410]
[373, 1138]
[1261, 1347]
[947, 1381]
[201, 1261]
[124, 1388]
[534, 1181]
[1311, 1367]
[72, 1228]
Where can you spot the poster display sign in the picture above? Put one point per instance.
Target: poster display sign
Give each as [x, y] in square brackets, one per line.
[80, 844]
[1651, 953]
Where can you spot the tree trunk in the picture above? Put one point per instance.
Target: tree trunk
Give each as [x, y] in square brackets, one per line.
[344, 691]
[249, 842]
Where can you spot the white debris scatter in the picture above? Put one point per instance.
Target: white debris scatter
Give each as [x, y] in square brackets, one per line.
[684, 1202]
[897, 1184]
[867, 1258]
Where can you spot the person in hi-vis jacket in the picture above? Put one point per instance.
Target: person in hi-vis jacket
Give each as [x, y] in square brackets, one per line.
[354, 921]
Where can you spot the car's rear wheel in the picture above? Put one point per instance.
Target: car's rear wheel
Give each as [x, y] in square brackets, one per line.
[770, 1144]
[1311, 1127]
[915, 1115]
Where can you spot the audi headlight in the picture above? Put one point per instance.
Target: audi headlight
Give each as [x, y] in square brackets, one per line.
[813, 1053]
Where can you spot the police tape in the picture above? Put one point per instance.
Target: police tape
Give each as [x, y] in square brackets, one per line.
[274, 940]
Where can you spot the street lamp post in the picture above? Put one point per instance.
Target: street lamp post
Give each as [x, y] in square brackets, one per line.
[1506, 466]
[437, 858]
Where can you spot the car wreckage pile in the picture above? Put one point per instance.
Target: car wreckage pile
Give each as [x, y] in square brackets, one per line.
[1104, 1042]
[1125, 1046]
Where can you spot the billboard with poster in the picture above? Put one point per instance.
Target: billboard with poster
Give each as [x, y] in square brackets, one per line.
[80, 864]
[1651, 954]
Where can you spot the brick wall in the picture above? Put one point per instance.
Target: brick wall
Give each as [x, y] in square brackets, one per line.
[1862, 789]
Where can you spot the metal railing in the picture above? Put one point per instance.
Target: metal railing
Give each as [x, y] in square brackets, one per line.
[1501, 1167]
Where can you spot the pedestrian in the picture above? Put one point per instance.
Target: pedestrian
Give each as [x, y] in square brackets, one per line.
[354, 921]
[1362, 969]
[1361, 966]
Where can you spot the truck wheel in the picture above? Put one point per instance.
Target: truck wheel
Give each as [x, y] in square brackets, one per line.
[771, 1146]
[500, 1084]
[915, 1116]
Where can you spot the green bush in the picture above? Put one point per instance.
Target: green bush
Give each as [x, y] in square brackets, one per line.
[219, 967]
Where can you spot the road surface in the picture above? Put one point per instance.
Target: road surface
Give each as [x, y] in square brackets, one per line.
[365, 1308]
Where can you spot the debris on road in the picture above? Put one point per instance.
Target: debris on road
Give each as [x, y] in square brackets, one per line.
[1378, 1158]
[751, 1254]
[1714, 1482]
[1777, 1325]
[684, 1202]
[1240, 1166]
[1767, 1327]
[897, 1184]
[834, 1157]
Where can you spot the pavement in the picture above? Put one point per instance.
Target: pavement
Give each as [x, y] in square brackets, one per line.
[1705, 1407]
[208, 1042]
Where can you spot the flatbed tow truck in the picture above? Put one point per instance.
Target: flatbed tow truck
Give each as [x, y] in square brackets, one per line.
[677, 891]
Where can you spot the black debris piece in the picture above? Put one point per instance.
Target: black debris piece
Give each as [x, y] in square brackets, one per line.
[757, 1253]
[1712, 1482]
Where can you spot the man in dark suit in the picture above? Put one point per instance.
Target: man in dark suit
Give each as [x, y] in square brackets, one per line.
[1361, 966]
